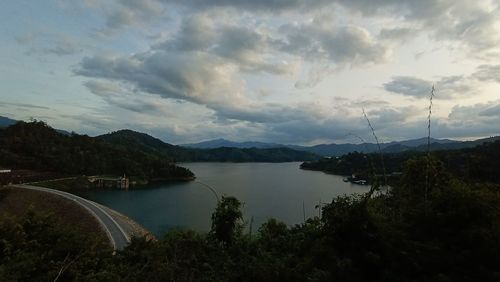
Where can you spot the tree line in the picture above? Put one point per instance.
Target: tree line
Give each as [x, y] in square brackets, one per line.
[477, 164]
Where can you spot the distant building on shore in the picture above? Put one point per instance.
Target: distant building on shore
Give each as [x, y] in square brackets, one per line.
[5, 176]
[110, 182]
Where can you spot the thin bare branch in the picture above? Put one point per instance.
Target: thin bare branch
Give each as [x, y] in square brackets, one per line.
[378, 146]
[428, 144]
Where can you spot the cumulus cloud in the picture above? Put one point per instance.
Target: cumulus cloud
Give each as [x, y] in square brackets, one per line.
[247, 48]
[195, 77]
[210, 59]
[476, 120]
[472, 23]
[340, 45]
[329, 48]
[471, 121]
[192, 76]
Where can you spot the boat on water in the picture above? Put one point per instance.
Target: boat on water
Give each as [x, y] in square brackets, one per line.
[355, 180]
[360, 182]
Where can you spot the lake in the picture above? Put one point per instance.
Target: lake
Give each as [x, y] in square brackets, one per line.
[278, 190]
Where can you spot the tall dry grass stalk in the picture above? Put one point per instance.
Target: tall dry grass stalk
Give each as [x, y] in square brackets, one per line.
[373, 170]
[378, 146]
[428, 144]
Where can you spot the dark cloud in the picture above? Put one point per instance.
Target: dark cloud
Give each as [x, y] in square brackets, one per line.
[123, 98]
[196, 33]
[446, 87]
[409, 86]
[131, 12]
[487, 73]
[50, 43]
[271, 6]
[398, 34]
[486, 112]
[388, 117]
[23, 105]
[248, 48]
[62, 49]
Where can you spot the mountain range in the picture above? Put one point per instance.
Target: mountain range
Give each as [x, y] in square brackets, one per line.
[5, 121]
[226, 150]
[140, 141]
[334, 150]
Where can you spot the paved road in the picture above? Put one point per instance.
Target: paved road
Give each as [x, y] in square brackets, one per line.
[116, 234]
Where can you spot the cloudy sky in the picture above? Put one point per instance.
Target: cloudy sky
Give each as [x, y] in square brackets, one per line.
[297, 71]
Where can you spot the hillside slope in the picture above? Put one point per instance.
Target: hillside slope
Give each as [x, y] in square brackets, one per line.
[37, 146]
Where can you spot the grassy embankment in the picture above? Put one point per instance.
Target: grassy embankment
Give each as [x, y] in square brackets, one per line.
[17, 203]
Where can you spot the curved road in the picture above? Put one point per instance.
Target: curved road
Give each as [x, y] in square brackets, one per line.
[116, 234]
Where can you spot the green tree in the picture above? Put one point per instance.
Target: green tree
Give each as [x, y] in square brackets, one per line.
[227, 220]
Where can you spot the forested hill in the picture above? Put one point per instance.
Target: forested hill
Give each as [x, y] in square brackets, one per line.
[36, 146]
[132, 139]
[479, 164]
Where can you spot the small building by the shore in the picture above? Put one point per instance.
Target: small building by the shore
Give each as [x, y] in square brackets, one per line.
[5, 170]
[5, 176]
[110, 182]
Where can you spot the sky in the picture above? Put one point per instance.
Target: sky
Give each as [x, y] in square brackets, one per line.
[294, 72]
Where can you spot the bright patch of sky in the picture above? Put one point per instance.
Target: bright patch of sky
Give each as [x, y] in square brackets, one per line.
[296, 72]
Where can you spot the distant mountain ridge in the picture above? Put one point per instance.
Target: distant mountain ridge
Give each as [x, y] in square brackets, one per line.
[5, 121]
[217, 149]
[218, 143]
[140, 141]
[334, 150]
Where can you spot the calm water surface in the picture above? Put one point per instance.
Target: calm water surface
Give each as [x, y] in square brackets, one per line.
[267, 189]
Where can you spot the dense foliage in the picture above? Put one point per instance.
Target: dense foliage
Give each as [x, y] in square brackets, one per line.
[430, 227]
[36, 146]
[478, 164]
[37, 247]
